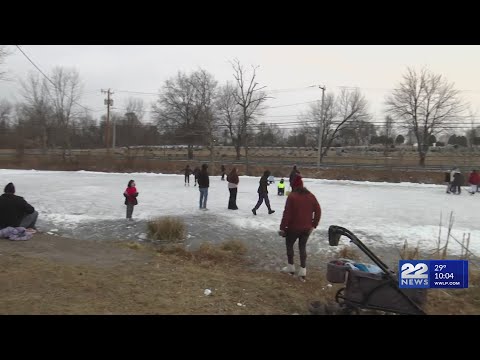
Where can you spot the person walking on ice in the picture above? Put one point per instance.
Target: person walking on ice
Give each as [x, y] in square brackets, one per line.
[233, 181]
[223, 171]
[294, 173]
[203, 185]
[188, 172]
[196, 171]
[301, 215]
[263, 194]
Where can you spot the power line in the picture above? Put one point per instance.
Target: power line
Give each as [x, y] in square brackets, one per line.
[308, 102]
[41, 72]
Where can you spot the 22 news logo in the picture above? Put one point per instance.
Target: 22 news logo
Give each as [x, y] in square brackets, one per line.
[413, 274]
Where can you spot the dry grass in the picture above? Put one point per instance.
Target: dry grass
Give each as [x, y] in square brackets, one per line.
[168, 279]
[167, 284]
[167, 228]
[454, 302]
[208, 254]
[234, 246]
[446, 301]
[134, 246]
[348, 253]
[408, 253]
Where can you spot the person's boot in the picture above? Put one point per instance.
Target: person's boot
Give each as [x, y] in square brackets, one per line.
[289, 269]
[254, 212]
[271, 211]
[302, 274]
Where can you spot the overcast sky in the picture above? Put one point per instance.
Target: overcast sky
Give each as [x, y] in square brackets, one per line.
[374, 69]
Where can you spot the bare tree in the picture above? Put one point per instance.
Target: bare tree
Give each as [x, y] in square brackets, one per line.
[388, 131]
[472, 133]
[340, 112]
[229, 113]
[135, 106]
[36, 108]
[5, 112]
[268, 135]
[184, 107]
[357, 133]
[65, 93]
[425, 102]
[3, 54]
[7, 137]
[205, 97]
[250, 98]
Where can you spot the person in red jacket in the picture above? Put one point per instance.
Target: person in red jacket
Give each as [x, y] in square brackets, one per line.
[474, 181]
[301, 215]
[130, 194]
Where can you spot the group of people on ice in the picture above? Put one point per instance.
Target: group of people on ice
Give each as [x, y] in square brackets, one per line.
[455, 180]
[301, 214]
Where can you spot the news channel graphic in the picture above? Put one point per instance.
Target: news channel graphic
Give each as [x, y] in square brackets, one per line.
[433, 274]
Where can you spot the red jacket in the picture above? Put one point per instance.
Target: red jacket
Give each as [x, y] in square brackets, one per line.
[302, 211]
[474, 178]
[131, 195]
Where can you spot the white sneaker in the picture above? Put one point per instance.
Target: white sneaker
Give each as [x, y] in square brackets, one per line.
[289, 269]
[302, 274]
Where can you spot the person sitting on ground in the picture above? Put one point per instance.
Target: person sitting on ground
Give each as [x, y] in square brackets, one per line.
[281, 187]
[15, 211]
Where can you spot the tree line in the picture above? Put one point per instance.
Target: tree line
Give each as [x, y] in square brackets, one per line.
[194, 109]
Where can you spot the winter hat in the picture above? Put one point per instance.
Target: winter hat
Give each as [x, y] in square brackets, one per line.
[9, 188]
[297, 182]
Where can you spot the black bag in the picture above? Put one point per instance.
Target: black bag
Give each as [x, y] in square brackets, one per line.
[135, 199]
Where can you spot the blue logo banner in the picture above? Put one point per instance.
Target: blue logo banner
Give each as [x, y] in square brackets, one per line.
[444, 274]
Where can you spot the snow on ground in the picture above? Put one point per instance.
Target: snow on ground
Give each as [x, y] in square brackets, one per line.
[383, 215]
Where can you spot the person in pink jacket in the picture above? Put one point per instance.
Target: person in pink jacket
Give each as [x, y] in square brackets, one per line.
[130, 194]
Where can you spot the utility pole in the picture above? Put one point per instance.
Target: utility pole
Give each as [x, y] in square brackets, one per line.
[320, 128]
[114, 132]
[108, 102]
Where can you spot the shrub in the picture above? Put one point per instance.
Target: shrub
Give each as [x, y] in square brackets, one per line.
[166, 229]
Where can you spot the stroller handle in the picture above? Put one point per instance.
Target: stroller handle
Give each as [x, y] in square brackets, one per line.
[334, 234]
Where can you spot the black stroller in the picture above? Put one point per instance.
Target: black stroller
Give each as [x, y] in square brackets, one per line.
[364, 290]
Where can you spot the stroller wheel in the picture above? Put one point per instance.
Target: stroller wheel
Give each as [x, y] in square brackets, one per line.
[339, 296]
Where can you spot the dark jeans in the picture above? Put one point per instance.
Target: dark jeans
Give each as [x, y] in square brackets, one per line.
[290, 240]
[187, 179]
[281, 191]
[262, 197]
[232, 202]
[29, 220]
[129, 210]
